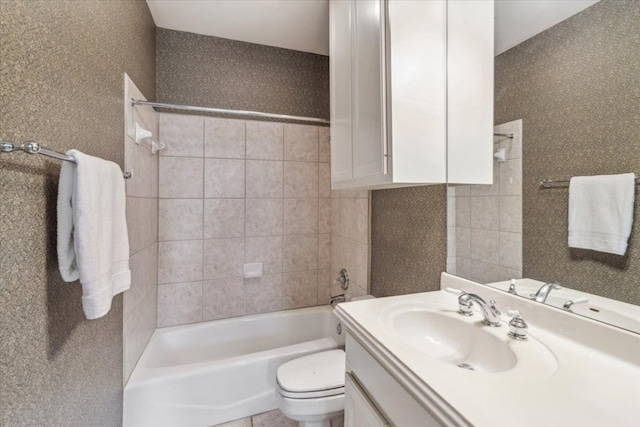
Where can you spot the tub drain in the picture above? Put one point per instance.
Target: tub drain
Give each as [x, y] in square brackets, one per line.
[465, 366]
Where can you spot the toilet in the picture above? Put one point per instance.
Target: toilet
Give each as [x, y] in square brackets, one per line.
[310, 389]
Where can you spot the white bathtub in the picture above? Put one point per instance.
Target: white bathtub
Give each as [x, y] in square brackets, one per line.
[208, 373]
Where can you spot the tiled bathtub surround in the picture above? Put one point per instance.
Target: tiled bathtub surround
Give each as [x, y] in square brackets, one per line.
[485, 221]
[235, 192]
[140, 301]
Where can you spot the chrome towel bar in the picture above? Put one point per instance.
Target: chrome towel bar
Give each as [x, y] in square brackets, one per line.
[548, 183]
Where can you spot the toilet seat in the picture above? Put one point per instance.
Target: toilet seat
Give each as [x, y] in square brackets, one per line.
[316, 375]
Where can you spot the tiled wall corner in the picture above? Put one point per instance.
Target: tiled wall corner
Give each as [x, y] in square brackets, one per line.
[485, 221]
[140, 301]
[246, 192]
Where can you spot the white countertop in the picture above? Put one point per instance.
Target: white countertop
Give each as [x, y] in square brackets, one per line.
[589, 387]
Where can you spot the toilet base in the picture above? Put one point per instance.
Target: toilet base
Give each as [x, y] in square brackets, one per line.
[314, 412]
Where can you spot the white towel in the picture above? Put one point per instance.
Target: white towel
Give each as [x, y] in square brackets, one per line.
[93, 244]
[601, 212]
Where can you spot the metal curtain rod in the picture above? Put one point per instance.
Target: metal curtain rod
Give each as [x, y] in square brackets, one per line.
[33, 147]
[225, 111]
[548, 183]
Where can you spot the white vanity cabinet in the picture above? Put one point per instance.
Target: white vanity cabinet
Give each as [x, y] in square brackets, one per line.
[373, 397]
[411, 80]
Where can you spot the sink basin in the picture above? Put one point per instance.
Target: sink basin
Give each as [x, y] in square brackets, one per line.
[453, 340]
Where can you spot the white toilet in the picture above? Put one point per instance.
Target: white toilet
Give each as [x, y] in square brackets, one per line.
[311, 388]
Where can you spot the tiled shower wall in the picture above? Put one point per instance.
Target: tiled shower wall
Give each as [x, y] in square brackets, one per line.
[485, 221]
[235, 192]
[140, 301]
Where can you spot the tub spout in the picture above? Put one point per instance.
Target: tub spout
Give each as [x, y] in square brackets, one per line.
[337, 299]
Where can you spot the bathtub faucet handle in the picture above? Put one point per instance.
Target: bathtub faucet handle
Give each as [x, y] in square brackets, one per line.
[343, 279]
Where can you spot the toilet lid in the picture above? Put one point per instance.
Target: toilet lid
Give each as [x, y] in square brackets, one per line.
[320, 371]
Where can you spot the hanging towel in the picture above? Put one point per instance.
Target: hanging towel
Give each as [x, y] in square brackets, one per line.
[93, 244]
[601, 212]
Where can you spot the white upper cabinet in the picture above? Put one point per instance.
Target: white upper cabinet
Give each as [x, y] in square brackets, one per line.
[408, 77]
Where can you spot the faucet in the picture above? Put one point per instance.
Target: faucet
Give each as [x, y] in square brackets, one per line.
[489, 311]
[544, 291]
[337, 299]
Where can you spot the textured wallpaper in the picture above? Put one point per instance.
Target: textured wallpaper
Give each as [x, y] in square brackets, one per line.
[208, 71]
[408, 239]
[61, 83]
[576, 87]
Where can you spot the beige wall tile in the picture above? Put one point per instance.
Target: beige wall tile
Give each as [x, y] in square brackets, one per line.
[144, 278]
[463, 242]
[180, 261]
[324, 286]
[511, 178]
[300, 252]
[486, 190]
[354, 218]
[224, 138]
[267, 250]
[511, 214]
[264, 178]
[335, 216]
[508, 274]
[463, 190]
[300, 289]
[300, 216]
[300, 179]
[181, 178]
[264, 217]
[265, 140]
[143, 164]
[511, 250]
[224, 178]
[324, 144]
[484, 273]
[463, 267]
[179, 303]
[463, 212]
[324, 180]
[142, 223]
[451, 242]
[300, 142]
[263, 294]
[485, 246]
[180, 219]
[222, 298]
[485, 212]
[223, 258]
[223, 218]
[324, 251]
[452, 201]
[324, 216]
[182, 135]
[137, 330]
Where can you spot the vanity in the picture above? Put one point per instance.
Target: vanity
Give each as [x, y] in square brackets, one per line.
[413, 360]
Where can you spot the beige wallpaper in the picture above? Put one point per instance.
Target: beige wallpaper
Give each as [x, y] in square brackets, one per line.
[213, 72]
[61, 83]
[576, 88]
[408, 239]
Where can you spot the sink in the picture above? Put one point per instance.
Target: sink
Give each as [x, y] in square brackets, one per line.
[439, 332]
[453, 340]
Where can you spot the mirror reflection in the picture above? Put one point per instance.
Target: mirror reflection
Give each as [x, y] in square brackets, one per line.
[567, 104]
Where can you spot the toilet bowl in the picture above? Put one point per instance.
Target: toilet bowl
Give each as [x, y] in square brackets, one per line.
[311, 388]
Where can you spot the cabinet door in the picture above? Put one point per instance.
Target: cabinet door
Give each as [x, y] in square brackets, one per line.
[369, 143]
[359, 411]
[340, 46]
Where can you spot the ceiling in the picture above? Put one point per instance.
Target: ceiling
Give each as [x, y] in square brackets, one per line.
[304, 24]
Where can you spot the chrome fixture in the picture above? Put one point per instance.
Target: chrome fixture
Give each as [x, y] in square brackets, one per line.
[567, 305]
[337, 299]
[548, 183]
[506, 135]
[489, 311]
[517, 327]
[343, 279]
[544, 291]
[512, 287]
[225, 111]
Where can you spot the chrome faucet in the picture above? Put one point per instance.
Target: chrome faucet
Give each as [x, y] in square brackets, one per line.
[337, 299]
[489, 311]
[544, 291]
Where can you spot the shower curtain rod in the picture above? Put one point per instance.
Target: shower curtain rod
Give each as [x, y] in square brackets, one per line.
[225, 111]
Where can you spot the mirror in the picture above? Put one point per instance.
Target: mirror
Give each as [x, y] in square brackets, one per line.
[569, 96]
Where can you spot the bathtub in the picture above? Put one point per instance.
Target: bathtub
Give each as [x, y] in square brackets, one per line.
[208, 373]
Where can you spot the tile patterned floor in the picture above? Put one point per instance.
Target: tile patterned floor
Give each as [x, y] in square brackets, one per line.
[271, 419]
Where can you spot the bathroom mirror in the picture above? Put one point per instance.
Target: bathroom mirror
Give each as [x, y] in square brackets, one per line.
[570, 98]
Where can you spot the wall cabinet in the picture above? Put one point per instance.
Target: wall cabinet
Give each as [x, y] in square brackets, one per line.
[411, 92]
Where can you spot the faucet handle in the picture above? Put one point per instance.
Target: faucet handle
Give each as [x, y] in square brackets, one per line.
[492, 304]
[512, 287]
[567, 305]
[517, 326]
